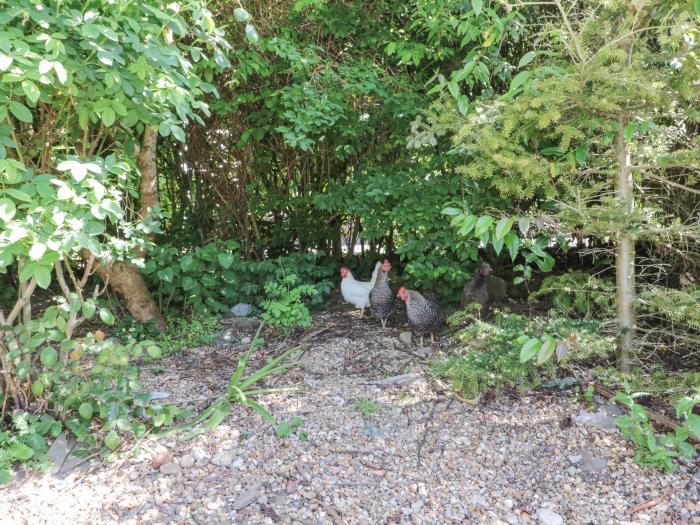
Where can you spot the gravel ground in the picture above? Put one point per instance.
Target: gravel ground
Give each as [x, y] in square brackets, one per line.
[420, 457]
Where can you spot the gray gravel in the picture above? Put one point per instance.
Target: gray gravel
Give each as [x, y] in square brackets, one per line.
[421, 457]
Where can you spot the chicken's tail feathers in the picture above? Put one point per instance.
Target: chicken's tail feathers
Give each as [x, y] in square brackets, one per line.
[375, 272]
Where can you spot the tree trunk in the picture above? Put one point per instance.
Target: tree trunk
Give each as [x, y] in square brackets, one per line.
[624, 255]
[146, 160]
[126, 279]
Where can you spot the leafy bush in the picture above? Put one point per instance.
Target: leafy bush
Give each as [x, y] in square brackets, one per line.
[25, 442]
[492, 360]
[660, 452]
[183, 332]
[285, 306]
[578, 292]
[214, 277]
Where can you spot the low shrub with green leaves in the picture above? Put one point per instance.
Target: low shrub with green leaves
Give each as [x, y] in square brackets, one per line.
[653, 451]
[25, 441]
[491, 359]
[190, 331]
[285, 307]
[577, 292]
[214, 277]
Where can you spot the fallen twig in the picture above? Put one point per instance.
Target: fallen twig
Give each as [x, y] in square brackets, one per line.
[651, 503]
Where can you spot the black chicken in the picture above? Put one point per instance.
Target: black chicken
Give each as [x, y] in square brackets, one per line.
[423, 314]
[381, 299]
[476, 291]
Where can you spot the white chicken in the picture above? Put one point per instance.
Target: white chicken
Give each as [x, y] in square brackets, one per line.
[357, 292]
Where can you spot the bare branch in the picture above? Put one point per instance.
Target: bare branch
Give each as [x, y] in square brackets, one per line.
[21, 302]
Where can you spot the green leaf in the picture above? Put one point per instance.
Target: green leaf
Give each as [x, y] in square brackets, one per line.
[628, 132]
[225, 260]
[251, 33]
[526, 59]
[482, 225]
[20, 111]
[178, 133]
[693, 425]
[7, 209]
[85, 410]
[89, 309]
[513, 244]
[463, 104]
[477, 6]
[37, 251]
[503, 227]
[21, 452]
[520, 79]
[112, 440]
[17, 194]
[5, 476]
[31, 91]
[529, 350]
[106, 316]
[240, 14]
[546, 350]
[581, 154]
[164, 128]
[108, 117]
[697, 7]
[468, 225]
[451, 211]
[154, 351]
[48, 357]
[42, 274]
[5, 62]
[453, 88]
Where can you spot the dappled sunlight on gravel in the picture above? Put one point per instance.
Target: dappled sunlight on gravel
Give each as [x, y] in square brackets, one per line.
[421, 456]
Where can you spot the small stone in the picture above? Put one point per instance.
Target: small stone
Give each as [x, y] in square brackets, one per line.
[478, 500]
[549, 517]
[511, 519]
[169, 469]
[575, 459]
[508, 504]
[246, 498]
[186, 461]
[225, 458]
[242, 310]
[571, 471]
[215, 505]
[591, 464]
[406, 338]
[246, 340]
[161, 459]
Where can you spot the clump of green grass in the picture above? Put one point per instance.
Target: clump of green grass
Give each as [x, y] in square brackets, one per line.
[367, 408]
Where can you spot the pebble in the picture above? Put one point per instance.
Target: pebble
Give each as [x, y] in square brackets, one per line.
[549, 517]
[186, 461]
[246, 498]
[169, 469]
[406, 338]
[225, 458]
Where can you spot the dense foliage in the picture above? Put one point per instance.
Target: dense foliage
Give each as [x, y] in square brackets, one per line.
[190, 156]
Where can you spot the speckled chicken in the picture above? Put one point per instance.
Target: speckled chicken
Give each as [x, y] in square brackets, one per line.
[423, 314]
[476, 291]
[381, 299]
